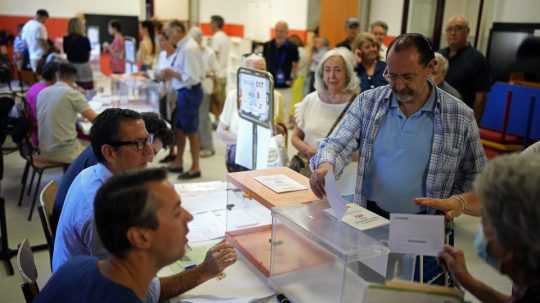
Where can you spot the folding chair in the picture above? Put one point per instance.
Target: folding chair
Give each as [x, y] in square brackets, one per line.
[26, 266]
[45, 209]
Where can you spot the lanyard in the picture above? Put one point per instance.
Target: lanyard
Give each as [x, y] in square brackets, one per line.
[174, 59]
[282, 57]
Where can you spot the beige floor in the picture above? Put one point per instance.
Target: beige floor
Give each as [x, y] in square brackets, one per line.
[212, 169]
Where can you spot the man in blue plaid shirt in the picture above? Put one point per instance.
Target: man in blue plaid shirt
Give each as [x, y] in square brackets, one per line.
[413, 139]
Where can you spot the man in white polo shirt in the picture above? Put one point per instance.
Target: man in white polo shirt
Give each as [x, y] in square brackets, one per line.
[34, 34]
[221, 44]
[57, 108]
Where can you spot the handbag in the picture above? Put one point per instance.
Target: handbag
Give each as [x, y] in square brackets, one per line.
[299, 163]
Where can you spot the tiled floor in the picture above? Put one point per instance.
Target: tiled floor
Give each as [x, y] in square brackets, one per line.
[213, 169]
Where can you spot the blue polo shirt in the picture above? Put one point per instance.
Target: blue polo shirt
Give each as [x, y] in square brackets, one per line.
[81, 281]
[401, 152]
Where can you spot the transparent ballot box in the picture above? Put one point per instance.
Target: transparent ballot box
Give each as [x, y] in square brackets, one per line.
[248, 215]
[316, 258]
[126, 91]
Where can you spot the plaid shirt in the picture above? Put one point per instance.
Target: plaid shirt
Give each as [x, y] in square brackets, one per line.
[456, 158]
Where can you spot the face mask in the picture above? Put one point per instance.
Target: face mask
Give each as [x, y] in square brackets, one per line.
[480, 244]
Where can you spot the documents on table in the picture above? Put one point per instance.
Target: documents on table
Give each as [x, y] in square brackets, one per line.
[416, 234]
[202, 196]
[280, 183]
[201, 186]
[207, 226]
[195, 255]
[333, 196]
[207, 202]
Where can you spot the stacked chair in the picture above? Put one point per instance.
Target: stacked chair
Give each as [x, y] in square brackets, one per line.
[514, 106]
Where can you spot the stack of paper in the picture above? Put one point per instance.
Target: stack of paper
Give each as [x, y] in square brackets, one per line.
[203, 196]
[280, 183]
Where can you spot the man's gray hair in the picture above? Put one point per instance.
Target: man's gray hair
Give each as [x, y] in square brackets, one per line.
[196, 33]
[509, 190]
[251, 60]
[380, 24]
[353, 83]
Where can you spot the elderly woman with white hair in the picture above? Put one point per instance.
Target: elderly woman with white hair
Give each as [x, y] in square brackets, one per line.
[509, 240]
[336, 85]
[227, 129]
[439, 75]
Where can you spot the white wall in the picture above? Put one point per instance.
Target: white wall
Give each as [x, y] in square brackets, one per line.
[257, 16]
[389, 11]
[516, 11]
[69, 8]
[171, 9]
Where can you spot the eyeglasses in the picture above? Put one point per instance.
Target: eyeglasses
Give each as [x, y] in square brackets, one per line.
[456, 29]
[407, 78]
[139, 144]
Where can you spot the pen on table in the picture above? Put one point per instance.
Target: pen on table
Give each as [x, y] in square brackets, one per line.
[282, 299]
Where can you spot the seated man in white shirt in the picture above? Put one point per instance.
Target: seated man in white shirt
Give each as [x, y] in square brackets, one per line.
[35, 36]
[57, 108]
[186, 75]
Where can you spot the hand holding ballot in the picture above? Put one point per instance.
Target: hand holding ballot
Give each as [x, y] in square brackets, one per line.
[453, 261]
[317, 179]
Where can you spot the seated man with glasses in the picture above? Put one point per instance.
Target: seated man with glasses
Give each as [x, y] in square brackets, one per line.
[162, 135]
[120, 143]
[414, 140]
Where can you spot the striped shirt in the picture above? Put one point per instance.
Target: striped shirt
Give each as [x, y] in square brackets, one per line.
[456, 153]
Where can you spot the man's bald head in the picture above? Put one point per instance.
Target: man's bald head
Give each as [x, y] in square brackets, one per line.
[457, 31]
[282, 32]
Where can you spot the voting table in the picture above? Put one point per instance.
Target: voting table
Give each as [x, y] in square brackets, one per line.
[290, 243]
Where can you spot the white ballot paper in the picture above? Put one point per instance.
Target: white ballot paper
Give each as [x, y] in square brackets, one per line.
[361, 218]
[416, 234]
[280, 183]
[333, 196]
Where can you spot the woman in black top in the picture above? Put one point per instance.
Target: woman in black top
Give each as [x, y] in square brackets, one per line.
[369, 67]
[77, 49]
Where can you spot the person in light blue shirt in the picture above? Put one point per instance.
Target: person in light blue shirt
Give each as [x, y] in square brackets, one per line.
[163, 137]
[413, 139]
[151, 234]
[401, 151]
[120, 143]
